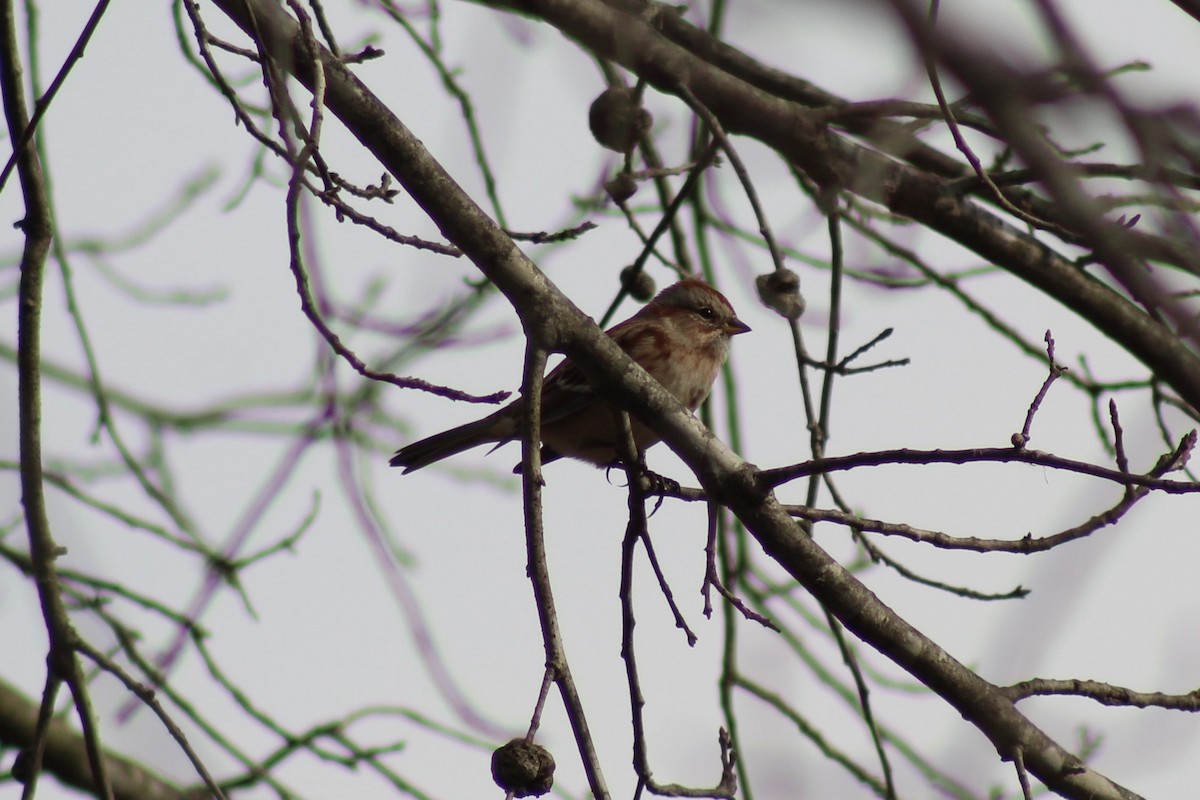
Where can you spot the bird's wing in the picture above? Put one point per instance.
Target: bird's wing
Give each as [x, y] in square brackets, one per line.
[565, 392]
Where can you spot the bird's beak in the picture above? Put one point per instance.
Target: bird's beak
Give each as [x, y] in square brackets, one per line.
[736, 326]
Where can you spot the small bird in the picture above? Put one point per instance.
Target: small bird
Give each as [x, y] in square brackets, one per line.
[681, 338]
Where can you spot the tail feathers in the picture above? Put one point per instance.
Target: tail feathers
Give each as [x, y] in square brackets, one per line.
[448, 443]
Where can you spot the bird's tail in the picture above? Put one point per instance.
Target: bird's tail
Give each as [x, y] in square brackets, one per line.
[448, 443]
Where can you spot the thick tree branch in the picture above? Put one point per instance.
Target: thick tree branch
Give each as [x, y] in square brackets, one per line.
[66, 754]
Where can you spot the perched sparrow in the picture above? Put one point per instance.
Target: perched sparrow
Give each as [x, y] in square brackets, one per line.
[681, 338]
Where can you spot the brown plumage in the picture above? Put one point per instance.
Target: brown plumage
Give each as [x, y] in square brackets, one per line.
[681, 338]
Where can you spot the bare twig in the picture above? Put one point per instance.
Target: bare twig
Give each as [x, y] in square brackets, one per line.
[781, 475]
[62, 663]
[1021, 439]
[1118, 437]
[1104, 693]
[1018, 759]
[539, 571]
[146, 695]
[961, 143]
[22, 137]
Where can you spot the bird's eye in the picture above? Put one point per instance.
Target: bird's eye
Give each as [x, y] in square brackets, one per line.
[706, 312]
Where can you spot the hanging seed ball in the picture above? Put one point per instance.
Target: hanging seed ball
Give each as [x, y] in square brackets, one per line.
[523, 768]
[22, 767]
[621, 187]
[617, 119]
[639, 285]
[780, 291]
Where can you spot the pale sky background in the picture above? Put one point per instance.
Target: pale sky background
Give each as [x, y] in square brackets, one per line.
[135, 122]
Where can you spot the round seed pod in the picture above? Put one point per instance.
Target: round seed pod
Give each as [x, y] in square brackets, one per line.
[617, 119]
[523, 768]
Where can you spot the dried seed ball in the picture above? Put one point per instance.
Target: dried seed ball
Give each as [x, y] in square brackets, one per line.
[617, 119]
[523, 768]
[639, 285]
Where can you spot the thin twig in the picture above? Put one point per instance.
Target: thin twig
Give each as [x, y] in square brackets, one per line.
[781, 475]
[1018, 759]
[1104, 693]
[1022, 439]
[146, 695]
[536, 720]
[539, 571]
[1118, 437]
[62, 663]
[25, 135]
[961, 143]
[718, 132]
